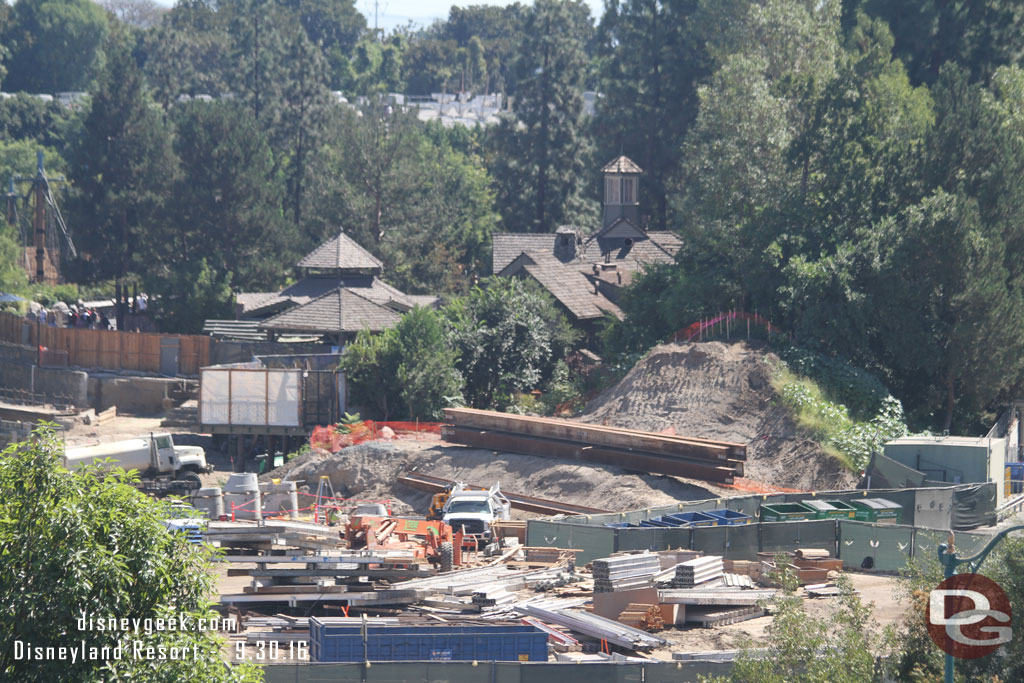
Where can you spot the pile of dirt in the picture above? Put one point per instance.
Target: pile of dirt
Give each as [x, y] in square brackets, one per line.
[720, 390]
[369, 472]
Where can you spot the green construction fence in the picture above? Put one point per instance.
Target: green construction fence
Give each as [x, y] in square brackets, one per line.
[496, 672]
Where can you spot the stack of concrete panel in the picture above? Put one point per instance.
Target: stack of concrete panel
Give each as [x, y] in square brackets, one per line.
[698, 571]
[625, 572]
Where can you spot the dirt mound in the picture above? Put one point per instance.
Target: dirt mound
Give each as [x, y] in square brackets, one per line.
[720, 390]
[369, 471]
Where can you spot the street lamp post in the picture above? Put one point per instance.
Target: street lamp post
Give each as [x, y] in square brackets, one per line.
[949, 561]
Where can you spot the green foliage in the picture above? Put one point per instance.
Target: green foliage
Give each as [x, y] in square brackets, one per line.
[423, 207]
[916, 657]
[426, 371]
[56, 45]
[188, 294]
[123, 167]
[508, 336]
[840, 646]
[851, 441]
[88, 542]
[25, 119]
[860, 391]
[407, 371]
[652, 60]
[979, 36]
[542, 160]
[228, 200]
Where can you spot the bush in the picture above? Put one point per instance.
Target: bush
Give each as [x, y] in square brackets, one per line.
[851, 441]
[88, 542]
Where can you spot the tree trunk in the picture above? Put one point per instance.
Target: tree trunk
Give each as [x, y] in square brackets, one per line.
[948, 421]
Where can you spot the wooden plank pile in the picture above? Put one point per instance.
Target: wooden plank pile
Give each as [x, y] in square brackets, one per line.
[638, 451]
[643, 616]
[810, 565]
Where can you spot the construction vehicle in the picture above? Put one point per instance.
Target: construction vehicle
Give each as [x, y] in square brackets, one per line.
[163, 467]
[472, 511]
[438, 500]
[423, 539]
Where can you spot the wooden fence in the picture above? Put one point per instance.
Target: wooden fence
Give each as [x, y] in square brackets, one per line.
[107, 349]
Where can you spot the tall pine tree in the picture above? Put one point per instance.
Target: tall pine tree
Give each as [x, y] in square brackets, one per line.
[543, 163]
[123, 167]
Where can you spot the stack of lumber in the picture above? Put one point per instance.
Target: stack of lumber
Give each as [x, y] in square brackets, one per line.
[810, 565]
[537, 556]
[642, 616]
[698, 571]
[624, 572]
[744, 567]
[638, 451]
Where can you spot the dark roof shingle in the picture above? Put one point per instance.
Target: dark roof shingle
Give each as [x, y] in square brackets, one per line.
[342, 253]
[340, 310]
[573, 290]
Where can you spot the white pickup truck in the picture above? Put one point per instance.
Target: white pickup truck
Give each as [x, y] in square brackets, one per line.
[163, 467]
[472, 511]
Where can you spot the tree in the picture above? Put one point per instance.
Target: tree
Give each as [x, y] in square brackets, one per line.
[188, 53]
[56, 45]
[977, 36]
[227, 202]
[407, 371]
[426, 371]
[88, 543]
[967, 311]
[652, 59]
[138, 13]
[421, 206]
[123, 167]
[508, 336]
[542, 162]
[840, 647]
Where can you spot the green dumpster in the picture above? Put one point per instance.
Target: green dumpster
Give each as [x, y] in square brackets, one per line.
[831, 509]
[785, 512]
[877, 510]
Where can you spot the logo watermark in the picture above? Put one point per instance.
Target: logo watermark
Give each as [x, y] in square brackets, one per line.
[968, 616]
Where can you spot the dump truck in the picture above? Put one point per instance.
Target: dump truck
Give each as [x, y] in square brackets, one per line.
[472, 511]
[163, 467]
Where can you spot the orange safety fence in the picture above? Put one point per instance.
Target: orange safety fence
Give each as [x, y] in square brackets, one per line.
[333, 439]
[752, 486]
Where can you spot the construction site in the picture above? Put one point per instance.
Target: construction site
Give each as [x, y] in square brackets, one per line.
[649, 533]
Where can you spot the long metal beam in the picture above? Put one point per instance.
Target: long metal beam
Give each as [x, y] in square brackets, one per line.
[646, 463]
[598, 435]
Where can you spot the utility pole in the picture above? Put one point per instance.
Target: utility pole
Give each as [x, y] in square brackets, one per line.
[950, 561]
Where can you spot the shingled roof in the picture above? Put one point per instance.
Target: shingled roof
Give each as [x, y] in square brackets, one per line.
[507, 246]
[341, 253]
[572, 289]
[340, 310]
[621, 165]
